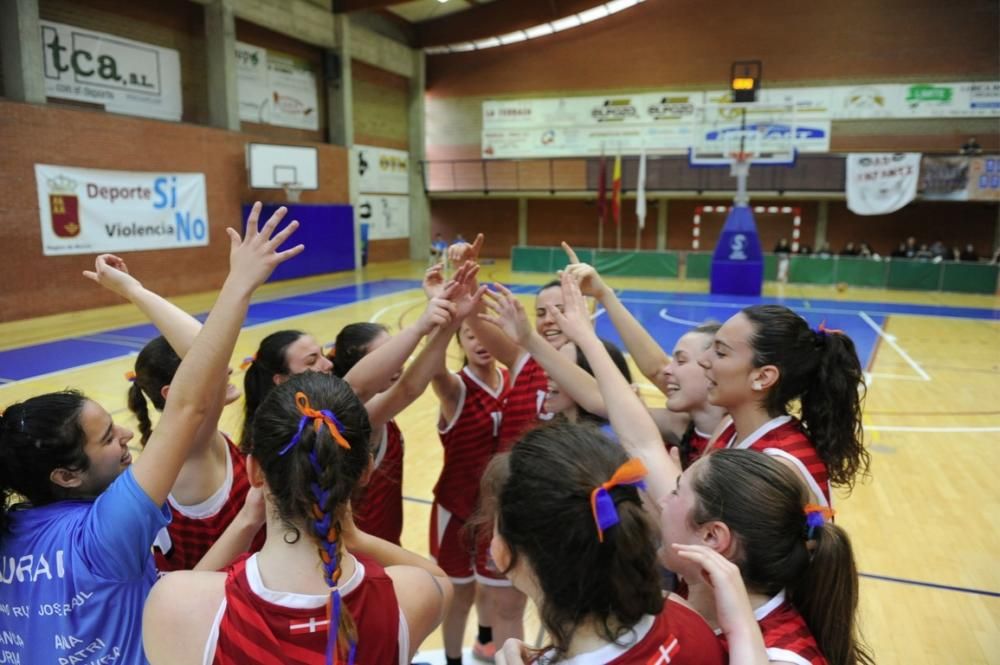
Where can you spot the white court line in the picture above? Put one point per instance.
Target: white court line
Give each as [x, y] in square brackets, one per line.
[674, 319]
[891, 341]
[942, 430]
[596, 315]
[375, 317]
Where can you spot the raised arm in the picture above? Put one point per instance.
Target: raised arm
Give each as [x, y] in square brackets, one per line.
[648, 355]
[177, 326]
[507, 314]
[628, 415]
[374, 371]
[203, 373]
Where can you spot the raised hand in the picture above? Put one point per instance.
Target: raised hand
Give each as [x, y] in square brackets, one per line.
[461, 252]
[462, 290]
[253, 257]
[574, 320]
[585, 275]
[732, 604]
[111, 272]
[507, 313]
[433, 283]
[439, 312]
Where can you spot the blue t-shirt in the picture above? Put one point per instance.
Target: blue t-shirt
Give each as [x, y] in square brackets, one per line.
[74, 576]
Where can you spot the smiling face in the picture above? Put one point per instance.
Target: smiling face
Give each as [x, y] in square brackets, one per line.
[106, 447]
[545, 323]
[728, 364]
[684, 379]
[304, 355]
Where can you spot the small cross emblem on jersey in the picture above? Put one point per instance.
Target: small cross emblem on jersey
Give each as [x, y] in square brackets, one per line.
[312, 626]
[665, 653]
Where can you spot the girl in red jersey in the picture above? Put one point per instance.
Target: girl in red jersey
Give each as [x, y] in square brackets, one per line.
[764, 358]
[469, 426]
[588, 560]
[798, 566]
[320, 590]
[378, 505]
[689, 418]
[212, 485]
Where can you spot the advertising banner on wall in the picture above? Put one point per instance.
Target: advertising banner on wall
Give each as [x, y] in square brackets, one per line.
[121, 75]
[387, 216]
[276, 88]
[880, 183]
[381, 170]
[671, 122]
[86, 211]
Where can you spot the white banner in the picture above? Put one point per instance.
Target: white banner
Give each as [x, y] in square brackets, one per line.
[381, 170]
[122, 75]
[86, 211]
[276, 88]
[386, 216]
[880, 183]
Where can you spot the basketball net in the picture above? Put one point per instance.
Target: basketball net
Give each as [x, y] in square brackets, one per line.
[293, 191]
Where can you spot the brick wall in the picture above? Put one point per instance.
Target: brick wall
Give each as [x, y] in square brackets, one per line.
[34, 285]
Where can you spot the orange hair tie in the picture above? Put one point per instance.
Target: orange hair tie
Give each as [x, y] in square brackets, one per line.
[130, 376]
[249, 360]
[603, 506]
[823, 330]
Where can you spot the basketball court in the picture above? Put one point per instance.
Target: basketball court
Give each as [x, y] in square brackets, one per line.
[925, 524]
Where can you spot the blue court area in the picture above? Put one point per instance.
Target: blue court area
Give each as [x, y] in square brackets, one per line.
[666, 315]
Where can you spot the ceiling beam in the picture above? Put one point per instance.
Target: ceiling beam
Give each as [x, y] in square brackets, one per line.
[344, 6]
[496, 18]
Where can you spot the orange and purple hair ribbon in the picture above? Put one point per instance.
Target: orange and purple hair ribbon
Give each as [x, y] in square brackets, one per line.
[602, 505]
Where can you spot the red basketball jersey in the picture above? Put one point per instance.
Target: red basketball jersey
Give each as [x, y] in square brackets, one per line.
[194, 529]
[786, 635]
[783, 437]
[699, 442]
[522, 408]
[378, 506]
[469, 440]
[676, 636]
[259, 625]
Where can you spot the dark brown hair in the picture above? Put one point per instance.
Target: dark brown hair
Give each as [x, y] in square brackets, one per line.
[154, 368]
[539, 495]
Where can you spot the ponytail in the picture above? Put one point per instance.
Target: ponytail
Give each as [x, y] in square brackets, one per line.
[269, 361]
[155, 367]
[826, 596]
[684, 446]
[831, 408]
[311, 471]
[780, 546]
[821, 369]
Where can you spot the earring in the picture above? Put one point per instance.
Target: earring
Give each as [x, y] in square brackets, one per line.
[756, 386]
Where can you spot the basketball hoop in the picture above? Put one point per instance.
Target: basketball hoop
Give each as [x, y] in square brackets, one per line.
[293, 190]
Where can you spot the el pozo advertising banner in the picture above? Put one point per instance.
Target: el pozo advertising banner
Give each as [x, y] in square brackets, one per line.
[87, 211]
[122, 75]
[381, 170]
[880, 183]
[674, 121]
[276, 88]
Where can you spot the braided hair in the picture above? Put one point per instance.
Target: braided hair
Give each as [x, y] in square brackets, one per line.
[310, 436]
[154, 368]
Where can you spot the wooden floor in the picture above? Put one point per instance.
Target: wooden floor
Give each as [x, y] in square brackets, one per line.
[926, 525]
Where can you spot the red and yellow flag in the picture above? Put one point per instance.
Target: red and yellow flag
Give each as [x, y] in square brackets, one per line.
[616, 190]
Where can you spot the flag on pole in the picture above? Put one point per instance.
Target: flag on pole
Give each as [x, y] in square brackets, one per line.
[602, 191]
[616, 191]
[640, 192]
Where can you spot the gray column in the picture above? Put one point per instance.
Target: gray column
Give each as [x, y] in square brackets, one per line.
[339, 85]
[21, 49]
[661, 224]
[822, 222]
[522, 222]
[220, 54]
[420, 210]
